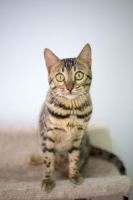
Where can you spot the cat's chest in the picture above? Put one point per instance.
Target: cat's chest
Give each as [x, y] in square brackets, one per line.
[65, 136]
[64, 145]
[67, 125]
[64, 139]
[68, 119]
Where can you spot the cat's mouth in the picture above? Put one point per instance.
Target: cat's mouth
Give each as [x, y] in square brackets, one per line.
[70, 95]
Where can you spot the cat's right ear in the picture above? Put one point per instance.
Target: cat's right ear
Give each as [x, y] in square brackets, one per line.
[50, 58]
[85, 55]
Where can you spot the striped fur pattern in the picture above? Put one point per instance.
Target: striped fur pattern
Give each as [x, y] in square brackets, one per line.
[64, 117]
[105, 155]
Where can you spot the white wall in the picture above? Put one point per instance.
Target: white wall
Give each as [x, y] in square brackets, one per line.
[27, 27]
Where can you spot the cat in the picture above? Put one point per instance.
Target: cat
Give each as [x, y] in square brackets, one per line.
[64, 117]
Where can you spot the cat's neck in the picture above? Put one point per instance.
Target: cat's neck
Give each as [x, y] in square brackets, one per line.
[79, 101]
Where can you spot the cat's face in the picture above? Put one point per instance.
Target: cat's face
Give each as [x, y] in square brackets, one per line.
[69, 78]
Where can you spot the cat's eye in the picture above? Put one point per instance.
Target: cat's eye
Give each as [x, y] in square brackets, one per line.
[60, 77]
[79, 75]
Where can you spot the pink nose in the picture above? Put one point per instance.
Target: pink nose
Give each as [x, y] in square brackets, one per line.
[69, 86]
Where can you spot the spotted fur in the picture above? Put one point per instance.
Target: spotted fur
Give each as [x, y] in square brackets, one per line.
[64, 117]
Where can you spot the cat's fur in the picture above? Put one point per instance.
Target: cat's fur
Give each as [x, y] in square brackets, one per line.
[64, 117]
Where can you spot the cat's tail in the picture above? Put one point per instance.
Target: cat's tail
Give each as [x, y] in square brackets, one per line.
[105, 155]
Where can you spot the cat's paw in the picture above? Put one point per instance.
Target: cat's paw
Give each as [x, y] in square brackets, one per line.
[76, 179]
[47, 185]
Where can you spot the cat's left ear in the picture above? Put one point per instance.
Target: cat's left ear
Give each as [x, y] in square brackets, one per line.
[50, 58]
[85, 55]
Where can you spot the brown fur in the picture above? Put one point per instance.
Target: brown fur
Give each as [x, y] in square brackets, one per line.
[64, 117]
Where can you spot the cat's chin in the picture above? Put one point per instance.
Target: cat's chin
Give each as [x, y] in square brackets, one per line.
[70, 96]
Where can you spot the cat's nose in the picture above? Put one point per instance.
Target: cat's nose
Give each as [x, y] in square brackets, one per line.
[69, 86]
[69, 89]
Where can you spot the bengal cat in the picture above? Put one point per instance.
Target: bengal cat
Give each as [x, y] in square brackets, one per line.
[64, 117]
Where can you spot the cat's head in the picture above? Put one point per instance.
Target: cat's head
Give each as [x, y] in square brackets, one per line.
[69, 77]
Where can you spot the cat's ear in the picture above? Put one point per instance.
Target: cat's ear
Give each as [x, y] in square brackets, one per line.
[50, 58]
[85, 55]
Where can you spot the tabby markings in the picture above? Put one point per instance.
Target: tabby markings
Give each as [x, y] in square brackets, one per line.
[84, 115]
[60, 129]
[51, 150]
[54, 114]
[73, 149]
[64, 107]
[48, 138]
[68, 64]
[89, 77]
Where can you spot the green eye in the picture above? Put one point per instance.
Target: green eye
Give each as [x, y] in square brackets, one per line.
[79, 75]
[60, 77]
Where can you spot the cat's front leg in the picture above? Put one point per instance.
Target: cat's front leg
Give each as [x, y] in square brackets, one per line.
[48, 163]
[74, 153]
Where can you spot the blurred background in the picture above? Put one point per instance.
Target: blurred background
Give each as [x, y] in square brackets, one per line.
[27, 27]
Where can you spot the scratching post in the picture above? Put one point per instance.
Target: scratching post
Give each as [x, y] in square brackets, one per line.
[19, 181]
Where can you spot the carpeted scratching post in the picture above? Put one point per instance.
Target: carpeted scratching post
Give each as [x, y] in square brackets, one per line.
[20, 181]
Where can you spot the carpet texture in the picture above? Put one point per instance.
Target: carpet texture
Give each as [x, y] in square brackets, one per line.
[19, 181]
